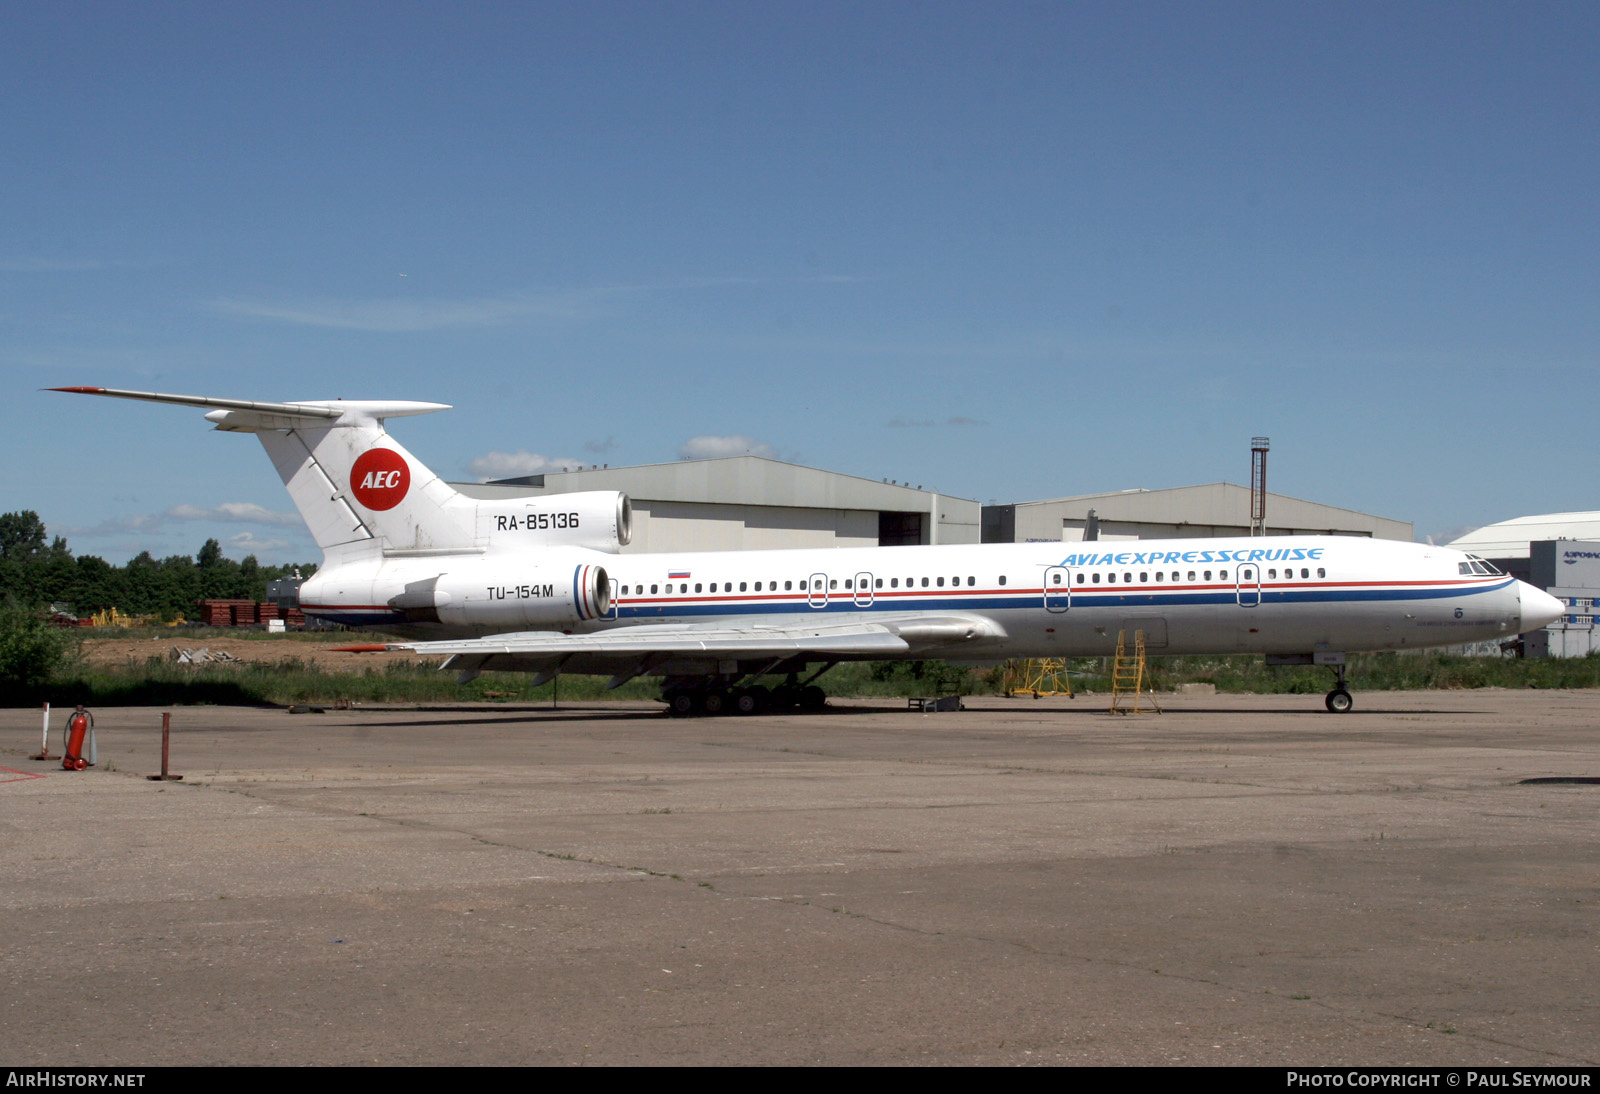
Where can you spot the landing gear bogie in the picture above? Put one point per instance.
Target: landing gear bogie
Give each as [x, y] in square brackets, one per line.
[690, 696]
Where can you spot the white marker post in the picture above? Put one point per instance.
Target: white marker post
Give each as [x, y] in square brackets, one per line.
[44, 735]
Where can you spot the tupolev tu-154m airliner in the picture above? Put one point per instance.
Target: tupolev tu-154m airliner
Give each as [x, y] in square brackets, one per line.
[537, 584]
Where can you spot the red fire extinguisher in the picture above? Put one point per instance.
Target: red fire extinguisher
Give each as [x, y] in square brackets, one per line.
[79, 726]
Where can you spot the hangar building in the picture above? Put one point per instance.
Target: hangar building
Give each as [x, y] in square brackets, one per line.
[1556, 552]
[1217, 509]
[1507, 544]
[751, 503]
[754, 503]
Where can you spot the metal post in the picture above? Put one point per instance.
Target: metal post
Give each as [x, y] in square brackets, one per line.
[1258, 485]
[166, 740]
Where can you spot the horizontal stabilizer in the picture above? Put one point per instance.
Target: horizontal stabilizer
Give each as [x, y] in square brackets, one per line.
[247, 415]
[308, 411]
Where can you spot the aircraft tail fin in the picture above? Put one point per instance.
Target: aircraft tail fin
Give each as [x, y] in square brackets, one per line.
[355, 486]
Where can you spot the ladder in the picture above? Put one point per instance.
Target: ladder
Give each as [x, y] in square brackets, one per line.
[1039, 675]
[1128, 677]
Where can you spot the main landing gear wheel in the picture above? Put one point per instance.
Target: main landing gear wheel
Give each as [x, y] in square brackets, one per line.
[686, 698]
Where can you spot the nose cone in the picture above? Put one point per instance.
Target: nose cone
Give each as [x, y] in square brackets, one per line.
[1539, 608]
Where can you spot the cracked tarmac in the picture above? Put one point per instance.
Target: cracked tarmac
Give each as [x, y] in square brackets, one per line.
[1242, 880]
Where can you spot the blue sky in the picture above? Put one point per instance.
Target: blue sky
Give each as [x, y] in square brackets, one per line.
[1006, 251]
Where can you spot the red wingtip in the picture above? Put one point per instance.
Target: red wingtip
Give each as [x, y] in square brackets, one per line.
[378, 647]
[78, 390]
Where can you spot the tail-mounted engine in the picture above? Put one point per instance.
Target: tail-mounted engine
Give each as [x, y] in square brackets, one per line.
[601, 520]
[547, 595]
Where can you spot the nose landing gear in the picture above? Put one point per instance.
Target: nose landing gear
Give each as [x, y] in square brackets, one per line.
[1338, 701]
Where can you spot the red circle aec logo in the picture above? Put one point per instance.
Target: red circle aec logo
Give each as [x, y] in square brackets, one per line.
[380, 479]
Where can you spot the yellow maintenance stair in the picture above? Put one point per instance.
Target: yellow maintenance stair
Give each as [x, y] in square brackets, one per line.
[1129, 678]
[1039, 675]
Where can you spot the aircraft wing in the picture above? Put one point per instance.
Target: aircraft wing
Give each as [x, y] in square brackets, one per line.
[631, 650]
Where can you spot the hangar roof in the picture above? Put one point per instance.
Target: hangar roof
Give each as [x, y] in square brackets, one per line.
[728, 480]
[1510, 538]
[1219, 505]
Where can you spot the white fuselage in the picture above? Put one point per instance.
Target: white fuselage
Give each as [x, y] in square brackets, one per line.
[1291, 594]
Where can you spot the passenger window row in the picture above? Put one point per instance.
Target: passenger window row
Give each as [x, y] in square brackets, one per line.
[1194, 575]
[815, 585]
[1080, 578]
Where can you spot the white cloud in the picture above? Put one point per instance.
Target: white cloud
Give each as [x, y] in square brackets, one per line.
[133, 522]
[1454, 533]
[179, 529]
[238, 512]
[231, 512]
[736, 444]
[398, 315]
[402, 313]
[247, 543]
[929, 423]
[512, 465]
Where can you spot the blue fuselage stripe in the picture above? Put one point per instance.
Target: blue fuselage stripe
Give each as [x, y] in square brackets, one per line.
[1081, 600]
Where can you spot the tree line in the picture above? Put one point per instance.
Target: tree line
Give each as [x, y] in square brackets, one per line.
[36, 571]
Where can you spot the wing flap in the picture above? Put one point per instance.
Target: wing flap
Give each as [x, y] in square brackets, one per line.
[879, 644]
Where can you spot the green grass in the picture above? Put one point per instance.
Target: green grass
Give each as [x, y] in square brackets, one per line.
[1421, 670]
[160, 682]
